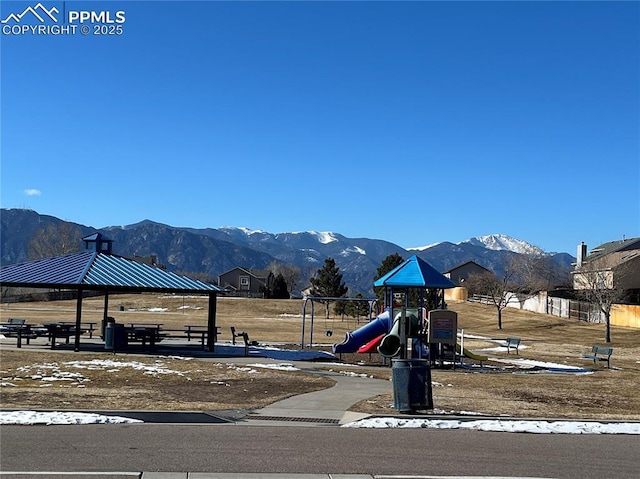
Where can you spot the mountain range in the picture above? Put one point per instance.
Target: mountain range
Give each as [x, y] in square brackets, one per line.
[213, 251]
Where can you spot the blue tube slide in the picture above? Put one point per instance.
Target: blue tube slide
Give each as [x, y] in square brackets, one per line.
[354, 339]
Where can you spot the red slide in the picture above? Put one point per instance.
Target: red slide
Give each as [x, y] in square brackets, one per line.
[371, 346]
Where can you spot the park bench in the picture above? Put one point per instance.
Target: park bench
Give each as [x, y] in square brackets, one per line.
[600, 353]
[245, 336]
[513, 343]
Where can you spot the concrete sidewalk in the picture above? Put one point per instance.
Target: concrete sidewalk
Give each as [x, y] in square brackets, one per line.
[329, 406]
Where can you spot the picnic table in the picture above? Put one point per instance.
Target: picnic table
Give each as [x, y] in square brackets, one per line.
[90, 326]
[20, 329]
[146, 325]
[199, 330]
[61, 330]
[12, 327]
[145, 333]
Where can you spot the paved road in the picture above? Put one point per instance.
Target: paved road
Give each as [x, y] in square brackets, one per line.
[318, 450]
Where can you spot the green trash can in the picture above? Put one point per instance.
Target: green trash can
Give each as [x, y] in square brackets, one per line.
[103, 326]
[109, 335]
[411, 385]
[115, 337]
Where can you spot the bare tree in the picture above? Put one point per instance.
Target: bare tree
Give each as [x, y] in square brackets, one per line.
[600, 282]
[497, 289]
[289, 272]
[524, 275]
[55, 240]
[534, 272]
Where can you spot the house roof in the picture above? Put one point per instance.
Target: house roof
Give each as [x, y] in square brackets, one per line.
[415, 272]
[98, 271]
[613, 246]
[244, 270]
[464, 264]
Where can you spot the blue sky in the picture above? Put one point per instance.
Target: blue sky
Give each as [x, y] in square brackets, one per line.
[412, 122]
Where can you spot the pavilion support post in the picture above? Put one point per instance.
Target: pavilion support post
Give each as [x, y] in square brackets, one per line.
[105, 313]
[78, 321]
[211, 322]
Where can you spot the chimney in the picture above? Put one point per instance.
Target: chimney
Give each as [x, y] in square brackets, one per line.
[582, 254]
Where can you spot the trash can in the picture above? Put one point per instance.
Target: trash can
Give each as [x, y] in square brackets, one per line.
[104, 325]
[411, 385]
[115, 336]
[109, 335]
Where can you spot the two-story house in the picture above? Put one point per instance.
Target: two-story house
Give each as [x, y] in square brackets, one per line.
[613, 265]
[246, 283]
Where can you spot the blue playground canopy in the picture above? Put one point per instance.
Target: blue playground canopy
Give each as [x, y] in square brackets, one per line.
[415, 272]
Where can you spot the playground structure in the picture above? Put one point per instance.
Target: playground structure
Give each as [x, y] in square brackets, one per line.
[382, 336]
[425, 331]
[429, 325]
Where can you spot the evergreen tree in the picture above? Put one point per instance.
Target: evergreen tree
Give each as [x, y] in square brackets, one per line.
[389, 263]
[341, 308]
[328, 283]
[358, 309]
[280, 290]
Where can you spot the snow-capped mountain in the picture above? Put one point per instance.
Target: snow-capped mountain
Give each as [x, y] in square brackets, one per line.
[498, 242]
[495, 242]
[213, 251]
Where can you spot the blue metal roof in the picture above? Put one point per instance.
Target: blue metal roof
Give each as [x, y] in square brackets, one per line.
[415, 272]
[98, 271]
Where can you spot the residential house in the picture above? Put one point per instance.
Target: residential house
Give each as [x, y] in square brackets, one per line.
[615, 264]
[461, 273]
[246, 283]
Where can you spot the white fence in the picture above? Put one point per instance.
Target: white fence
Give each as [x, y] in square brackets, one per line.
[541, 303]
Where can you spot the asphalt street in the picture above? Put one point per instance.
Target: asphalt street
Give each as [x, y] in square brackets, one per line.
[245, 448]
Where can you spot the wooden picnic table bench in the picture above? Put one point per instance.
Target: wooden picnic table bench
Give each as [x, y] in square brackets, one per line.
[600, 353]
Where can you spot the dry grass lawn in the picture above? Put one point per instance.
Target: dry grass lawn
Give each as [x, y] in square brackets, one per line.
[207, 384]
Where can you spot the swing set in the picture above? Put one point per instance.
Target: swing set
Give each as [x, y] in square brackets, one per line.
[326, 299]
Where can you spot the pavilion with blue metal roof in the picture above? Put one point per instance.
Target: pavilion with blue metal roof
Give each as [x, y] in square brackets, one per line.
[97, 269]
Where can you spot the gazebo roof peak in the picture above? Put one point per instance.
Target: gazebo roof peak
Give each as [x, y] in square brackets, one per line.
[415, 272]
